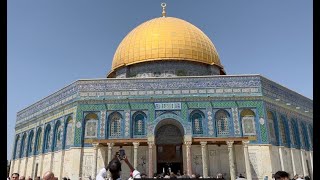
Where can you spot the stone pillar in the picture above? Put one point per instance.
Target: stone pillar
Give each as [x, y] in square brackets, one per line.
[246, 160]
[51, 160]
[231, 160]
[188, 156]
[293, 163]
[311, 161]
[281, 157]
[204, 159]
[110, 145]
[95, 156]
[61, 163]
[150, 159]
[303, 162]
[25, 166]
[135, 154]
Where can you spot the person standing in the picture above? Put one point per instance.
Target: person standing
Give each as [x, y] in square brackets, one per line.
[48, 176]
[15, 176]
[281, 175]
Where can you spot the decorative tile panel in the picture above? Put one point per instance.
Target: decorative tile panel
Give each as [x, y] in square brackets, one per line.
[102, 124]
[127, 124]
[236, 123]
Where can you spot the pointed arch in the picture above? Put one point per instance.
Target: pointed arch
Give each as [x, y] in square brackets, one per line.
[272, 129]
[196, 119]
[138, 123]
[22, 146]
[16, 147]
[248, 122]
[47, 138]
[30, 143]
[57, 136]
[69, 132]
[114, 125]
[282, 128]
[38, 141]
[222, 122]
[91, 125]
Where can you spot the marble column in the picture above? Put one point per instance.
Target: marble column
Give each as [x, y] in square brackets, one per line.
[303, 162]
[110, 145]
[293, 163]
[281, 157]
[61, 163]
[231, 160]
[95, 159]
[246, 159]
[135, 154]
[150, 159]
[51, 160]
[188, 156]
[204, 159]
[311, 161]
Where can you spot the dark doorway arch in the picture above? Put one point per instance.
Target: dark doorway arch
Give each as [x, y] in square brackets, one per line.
[169, 140]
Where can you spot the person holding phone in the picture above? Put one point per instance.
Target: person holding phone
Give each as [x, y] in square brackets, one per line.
[114, 167]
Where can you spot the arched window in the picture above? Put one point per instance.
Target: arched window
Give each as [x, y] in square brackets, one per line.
[16, 148]
[282, 129]
[293, 133]
[271, 123]
[139, 119]
[38, 141]
[222, 121]
[57, 141]
[47, 138]
[30, 143]
[296, 132]
[91, 121]
[196, 118]
[311, 134]
[23, 142]
[115, 124]
[305, 136]
[69, 131]
[248, 123]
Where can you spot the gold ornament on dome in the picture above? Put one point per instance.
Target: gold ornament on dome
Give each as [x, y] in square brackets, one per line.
[165, 39]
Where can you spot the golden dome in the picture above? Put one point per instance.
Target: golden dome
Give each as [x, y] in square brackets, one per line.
[165, 38]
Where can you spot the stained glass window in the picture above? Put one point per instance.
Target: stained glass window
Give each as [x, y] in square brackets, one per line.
[47, 138]
[248, 123]
[22, 151]
[139, 124]
[115, 125]
[292, 133]
[311, 135]
[38, 140]
[283, 131]
[271, 123]
[30, 143]
[91, 125]
[69, 133]
[222, 123]
[16, 149]
[196, 119]
[57, 135]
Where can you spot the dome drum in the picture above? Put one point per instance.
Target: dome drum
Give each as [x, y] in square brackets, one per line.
[165, 39]
[166, 69]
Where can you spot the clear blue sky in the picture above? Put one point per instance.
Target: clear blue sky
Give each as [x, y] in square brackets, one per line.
[53, 43]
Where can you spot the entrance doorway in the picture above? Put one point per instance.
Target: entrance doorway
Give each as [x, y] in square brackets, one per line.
[169, 140]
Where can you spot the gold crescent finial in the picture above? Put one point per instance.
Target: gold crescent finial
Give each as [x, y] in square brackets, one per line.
[163, 5]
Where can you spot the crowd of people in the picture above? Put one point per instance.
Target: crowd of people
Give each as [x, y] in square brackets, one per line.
[114, 167]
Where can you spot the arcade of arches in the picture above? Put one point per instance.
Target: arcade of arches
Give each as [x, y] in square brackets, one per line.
[173, 148]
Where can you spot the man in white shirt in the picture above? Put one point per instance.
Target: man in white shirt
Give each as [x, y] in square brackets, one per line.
[114, 167]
